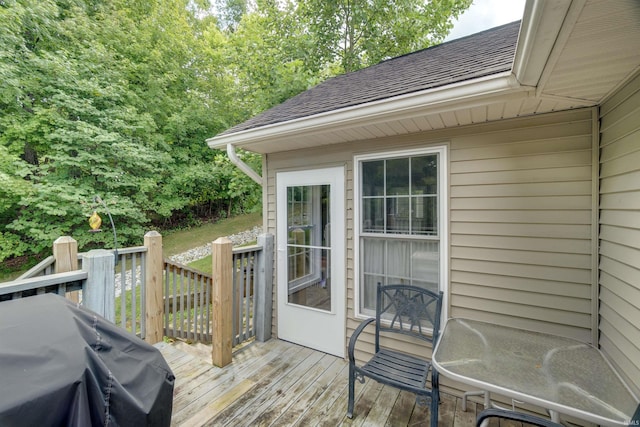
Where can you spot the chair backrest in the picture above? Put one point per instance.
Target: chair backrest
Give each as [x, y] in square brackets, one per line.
[408, 310]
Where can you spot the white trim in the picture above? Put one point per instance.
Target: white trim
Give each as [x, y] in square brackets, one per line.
[541, 24]
[595, 227]
[443, 220]
[330, 330]
[571, 17]
[440, 98]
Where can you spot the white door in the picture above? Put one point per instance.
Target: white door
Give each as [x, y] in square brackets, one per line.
[311, 265]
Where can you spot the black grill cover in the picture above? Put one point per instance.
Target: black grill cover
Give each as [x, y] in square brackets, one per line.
[64, 365]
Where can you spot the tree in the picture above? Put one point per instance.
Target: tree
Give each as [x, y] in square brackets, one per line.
[267, 57]
[358, 33]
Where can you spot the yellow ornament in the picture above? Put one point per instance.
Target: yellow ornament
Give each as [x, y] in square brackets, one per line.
[95, 221]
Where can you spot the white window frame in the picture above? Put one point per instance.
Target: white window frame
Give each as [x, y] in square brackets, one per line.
[443, 217]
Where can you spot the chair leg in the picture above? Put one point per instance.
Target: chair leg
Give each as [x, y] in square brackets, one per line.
[435, 397]
[435, 400]
[352, 386]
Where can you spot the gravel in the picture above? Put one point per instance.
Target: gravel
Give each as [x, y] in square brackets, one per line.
[205, 251]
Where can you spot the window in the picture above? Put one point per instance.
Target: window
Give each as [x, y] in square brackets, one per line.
[401, 222]
[308, 237]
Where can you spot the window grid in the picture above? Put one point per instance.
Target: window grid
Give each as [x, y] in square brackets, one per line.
[428, 233]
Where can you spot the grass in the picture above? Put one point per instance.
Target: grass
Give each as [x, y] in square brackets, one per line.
[182, 240]
[118, 307]
[204, 265]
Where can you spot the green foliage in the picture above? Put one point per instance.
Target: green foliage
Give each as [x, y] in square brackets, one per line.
[268, 57]
[358, 33]
[115, 98]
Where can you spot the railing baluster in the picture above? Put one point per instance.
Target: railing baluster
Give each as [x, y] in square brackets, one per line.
[181, 303]
[189, 331]
[123, 291]
[134, 290]
[197, 313]
[203, 308]
[167, 295]
[196, 281]
[239, 288]
[174, 305]
[248, 296]
[208, 304]
[143, 295]
[234, 302]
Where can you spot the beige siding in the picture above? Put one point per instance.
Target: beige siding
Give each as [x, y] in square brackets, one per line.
[620, 231]
[521, 225]
[521, 229]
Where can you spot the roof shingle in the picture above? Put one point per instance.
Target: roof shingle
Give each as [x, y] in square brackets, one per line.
[478, 55]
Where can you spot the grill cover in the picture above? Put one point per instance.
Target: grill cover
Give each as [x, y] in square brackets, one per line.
[64, 365]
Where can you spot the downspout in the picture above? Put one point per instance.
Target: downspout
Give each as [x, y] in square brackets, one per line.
[233, 156]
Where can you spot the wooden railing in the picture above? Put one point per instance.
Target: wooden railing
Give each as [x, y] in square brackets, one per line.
[187, 303]
[59, 283]
[95, 278]
[244, 261]
[225, 309]
[43, 268]
[130, 279]
[195, 303]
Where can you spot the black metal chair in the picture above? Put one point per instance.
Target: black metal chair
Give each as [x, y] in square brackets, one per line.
[534, 420]
[408, 310]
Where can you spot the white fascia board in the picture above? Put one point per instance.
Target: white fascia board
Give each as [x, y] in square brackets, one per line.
[441, 98]
[541, 24]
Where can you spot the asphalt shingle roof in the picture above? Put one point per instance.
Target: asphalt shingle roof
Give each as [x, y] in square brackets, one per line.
[481, 54]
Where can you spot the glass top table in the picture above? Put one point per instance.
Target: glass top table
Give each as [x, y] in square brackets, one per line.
[556, 373]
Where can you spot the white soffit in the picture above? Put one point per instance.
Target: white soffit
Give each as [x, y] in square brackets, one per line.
[597, 50]
[541, 24]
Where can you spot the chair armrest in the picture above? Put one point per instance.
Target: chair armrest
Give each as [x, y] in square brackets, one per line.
[515, 416]
[354, 337]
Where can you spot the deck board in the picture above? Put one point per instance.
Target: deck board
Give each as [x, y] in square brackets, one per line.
[277, 383]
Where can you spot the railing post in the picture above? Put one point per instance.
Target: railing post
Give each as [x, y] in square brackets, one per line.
[65, 252]
[222, 288]
[99, 292]
[264, 288]
[154, 305]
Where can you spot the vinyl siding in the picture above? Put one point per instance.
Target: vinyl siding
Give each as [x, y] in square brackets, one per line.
[521, 202]
[620, 231]
[520, 221]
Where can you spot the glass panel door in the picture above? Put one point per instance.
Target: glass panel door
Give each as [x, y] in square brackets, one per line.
[308, 246]
[311, 294]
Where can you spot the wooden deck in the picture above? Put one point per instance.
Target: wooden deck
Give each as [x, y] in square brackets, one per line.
[282, 384]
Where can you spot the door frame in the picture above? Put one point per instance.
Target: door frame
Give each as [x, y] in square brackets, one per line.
[293, 320]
